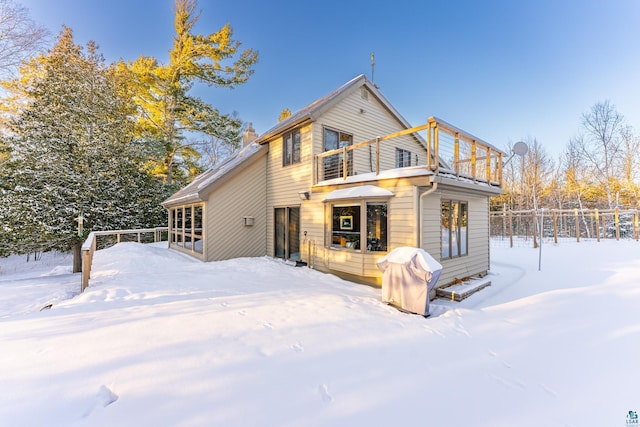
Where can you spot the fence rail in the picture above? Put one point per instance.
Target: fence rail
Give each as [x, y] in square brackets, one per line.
[558, 224]
[90, 245]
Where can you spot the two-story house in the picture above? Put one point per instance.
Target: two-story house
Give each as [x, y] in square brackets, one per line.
[339, 184]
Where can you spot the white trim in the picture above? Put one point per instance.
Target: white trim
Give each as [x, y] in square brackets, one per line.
[359, 192]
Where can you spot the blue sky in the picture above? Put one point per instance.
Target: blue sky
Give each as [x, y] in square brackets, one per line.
[503, 70]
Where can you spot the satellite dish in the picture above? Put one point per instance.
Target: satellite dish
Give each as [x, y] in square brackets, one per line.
[520, 148]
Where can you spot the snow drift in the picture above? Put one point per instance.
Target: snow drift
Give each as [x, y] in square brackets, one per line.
[161, 339]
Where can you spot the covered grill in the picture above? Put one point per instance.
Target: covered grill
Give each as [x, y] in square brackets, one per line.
[408, 276]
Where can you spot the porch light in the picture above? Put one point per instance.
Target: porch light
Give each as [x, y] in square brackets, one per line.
[304, 195]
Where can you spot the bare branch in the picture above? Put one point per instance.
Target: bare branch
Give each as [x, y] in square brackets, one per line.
[20, 36]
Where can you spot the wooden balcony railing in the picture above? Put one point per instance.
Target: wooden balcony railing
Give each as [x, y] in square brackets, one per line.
[442, 148]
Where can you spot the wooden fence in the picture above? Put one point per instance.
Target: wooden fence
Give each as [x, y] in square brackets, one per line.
[559, 224]
[142, 235]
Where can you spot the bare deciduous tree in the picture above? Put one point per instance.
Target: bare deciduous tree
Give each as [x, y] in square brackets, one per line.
[20, 36]
[536, 172]
[631, 163]
[601, 146]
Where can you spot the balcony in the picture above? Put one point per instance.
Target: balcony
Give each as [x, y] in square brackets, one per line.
[442, 149]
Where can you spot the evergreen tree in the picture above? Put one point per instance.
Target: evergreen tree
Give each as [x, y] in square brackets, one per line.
[71, 152]
[167, 112]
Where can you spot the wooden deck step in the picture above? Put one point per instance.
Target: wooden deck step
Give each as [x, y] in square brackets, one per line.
[463, 290]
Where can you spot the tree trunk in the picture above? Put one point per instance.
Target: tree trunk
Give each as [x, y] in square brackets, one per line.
[77, 258]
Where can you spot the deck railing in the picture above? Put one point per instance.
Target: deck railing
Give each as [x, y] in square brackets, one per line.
[443, 149]
[89, 246]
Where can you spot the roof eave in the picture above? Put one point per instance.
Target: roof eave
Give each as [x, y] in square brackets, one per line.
[278, 130]
[182, 200]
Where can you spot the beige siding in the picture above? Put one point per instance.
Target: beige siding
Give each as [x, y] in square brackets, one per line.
[477, 260]
[366, 119]
[401, 232]
[374, 121]
[284, 183]
[242, 195]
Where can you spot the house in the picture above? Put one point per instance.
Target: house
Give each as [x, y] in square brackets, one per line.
[339, 184]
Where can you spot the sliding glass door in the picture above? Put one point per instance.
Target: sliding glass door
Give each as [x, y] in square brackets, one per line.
[287, 233]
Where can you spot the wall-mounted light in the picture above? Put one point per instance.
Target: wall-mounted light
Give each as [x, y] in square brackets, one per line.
[304, 195]
[248, 221]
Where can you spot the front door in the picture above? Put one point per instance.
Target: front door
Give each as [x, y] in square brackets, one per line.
[287, 233]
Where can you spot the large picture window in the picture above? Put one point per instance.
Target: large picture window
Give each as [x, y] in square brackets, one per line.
[454, 217]
[359, 226]
[345, 227]
[291, 147]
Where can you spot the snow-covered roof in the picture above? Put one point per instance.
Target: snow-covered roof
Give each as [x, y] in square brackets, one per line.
[359, 192]
[194, 191]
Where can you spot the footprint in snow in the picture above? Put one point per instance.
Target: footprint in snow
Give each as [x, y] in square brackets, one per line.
[435, 331]
[324, 392]
[242, 313]
[462, 331]
[103, 398]
[549, 391]
[267, 325]
[504, 362]
[297, 347]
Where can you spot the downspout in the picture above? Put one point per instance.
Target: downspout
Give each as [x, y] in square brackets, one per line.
[434, 187]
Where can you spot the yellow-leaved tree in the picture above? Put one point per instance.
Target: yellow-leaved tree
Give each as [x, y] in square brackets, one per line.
[167, 111]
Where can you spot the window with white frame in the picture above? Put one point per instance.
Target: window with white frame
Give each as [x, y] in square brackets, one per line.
[454, 219]
[403, 158]
[359, 226]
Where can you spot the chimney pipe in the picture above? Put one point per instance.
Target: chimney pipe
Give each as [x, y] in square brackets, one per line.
[249, 135]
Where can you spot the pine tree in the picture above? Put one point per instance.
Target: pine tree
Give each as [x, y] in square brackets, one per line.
[72, 152]
[167, 111]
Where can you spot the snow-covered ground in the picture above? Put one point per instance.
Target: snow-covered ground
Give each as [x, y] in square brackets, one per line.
[159, 339]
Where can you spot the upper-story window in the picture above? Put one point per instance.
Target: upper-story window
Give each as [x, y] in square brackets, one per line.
[291, 147]
[334, 165]
[403, 158]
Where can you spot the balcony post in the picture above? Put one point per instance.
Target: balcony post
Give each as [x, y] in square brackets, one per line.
[345, 171]
[456, 153]
[377, 155]
[473, 159]
[429, 146]
[436, 137]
